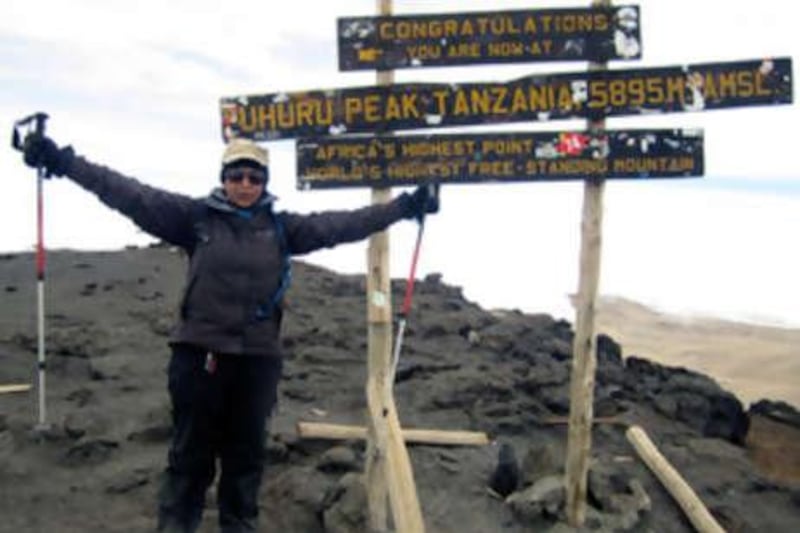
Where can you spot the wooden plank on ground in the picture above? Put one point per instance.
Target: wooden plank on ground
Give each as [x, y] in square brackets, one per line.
[315, 430]
[679, 489]
[21, 387]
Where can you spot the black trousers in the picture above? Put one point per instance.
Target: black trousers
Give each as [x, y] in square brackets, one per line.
[219, 411]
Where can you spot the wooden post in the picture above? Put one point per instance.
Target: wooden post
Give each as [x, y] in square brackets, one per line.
[388, 468]
[379, 345]
[702, 520]
[584, 362]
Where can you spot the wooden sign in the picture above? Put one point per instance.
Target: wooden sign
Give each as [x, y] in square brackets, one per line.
[503, 157]
[410, 41]
[591, 95]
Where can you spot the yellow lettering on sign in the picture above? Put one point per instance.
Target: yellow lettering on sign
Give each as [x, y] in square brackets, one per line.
[710, 87]
[286, 115]
[745, 84]
[464, 50]
[305, 113]
[416, 170]
[506, 146]
[461, 105]
[424, 51]
[676, 89]
[372, 109]
[242, 115]
[530, 25]
[655, 91]
[440, 97]
[441, 148]
[499, 95]
[519, 102]
[537, 48]
[574, 23]
[353, 106]
[391, 30]
[542, 98]
[727, 84]
[506, 49]
[636, 92]
[491, 168]
[760, 89]
[481, 101]
[573, 167]
[409, 103]
[653, 165]
[394, 111]
[565, 100]
[733, 84]
[598, 94]
[339, 150]
[600, 21]
[375, 108]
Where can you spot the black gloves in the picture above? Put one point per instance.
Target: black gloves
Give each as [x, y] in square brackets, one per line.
[424, 200]
[41, 151]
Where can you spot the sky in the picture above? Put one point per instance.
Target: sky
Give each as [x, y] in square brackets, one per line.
[136, 86]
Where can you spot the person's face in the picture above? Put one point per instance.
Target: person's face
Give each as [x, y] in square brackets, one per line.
[244, 184]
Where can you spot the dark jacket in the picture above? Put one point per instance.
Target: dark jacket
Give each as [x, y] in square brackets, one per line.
[237, 259]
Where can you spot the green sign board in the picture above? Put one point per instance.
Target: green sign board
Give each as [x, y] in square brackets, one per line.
[592, 95]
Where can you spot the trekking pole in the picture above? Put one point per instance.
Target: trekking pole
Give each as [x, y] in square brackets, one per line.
[38, 120]
[405, 309]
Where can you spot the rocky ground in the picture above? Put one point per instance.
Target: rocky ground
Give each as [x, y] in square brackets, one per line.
[462, 368]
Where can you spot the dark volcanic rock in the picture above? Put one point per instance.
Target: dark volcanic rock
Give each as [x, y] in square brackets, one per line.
[778, 411]
[505, 373]
[506, 476]
[689, 397]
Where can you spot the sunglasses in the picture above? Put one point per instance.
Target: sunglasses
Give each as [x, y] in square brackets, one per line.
[238, 175]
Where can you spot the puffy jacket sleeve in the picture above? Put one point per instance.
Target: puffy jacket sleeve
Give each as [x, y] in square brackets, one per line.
[165, 215]
[306, 233]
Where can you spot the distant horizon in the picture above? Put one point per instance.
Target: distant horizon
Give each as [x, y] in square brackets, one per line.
[565, 312]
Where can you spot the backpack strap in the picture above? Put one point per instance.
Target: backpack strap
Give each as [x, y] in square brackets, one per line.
[266, 309]
[199, 227]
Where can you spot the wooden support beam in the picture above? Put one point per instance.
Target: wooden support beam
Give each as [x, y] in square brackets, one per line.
[679, 489]
[315, 430]
[23, 387]
[406, 511]
[584, 361]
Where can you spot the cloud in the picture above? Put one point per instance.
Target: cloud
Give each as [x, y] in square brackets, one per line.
[135, 85]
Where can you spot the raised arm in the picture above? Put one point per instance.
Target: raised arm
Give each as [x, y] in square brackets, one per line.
[306, 233]
[165, 215]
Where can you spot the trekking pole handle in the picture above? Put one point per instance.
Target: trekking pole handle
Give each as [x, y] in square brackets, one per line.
[39, 122]
[433, 191]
